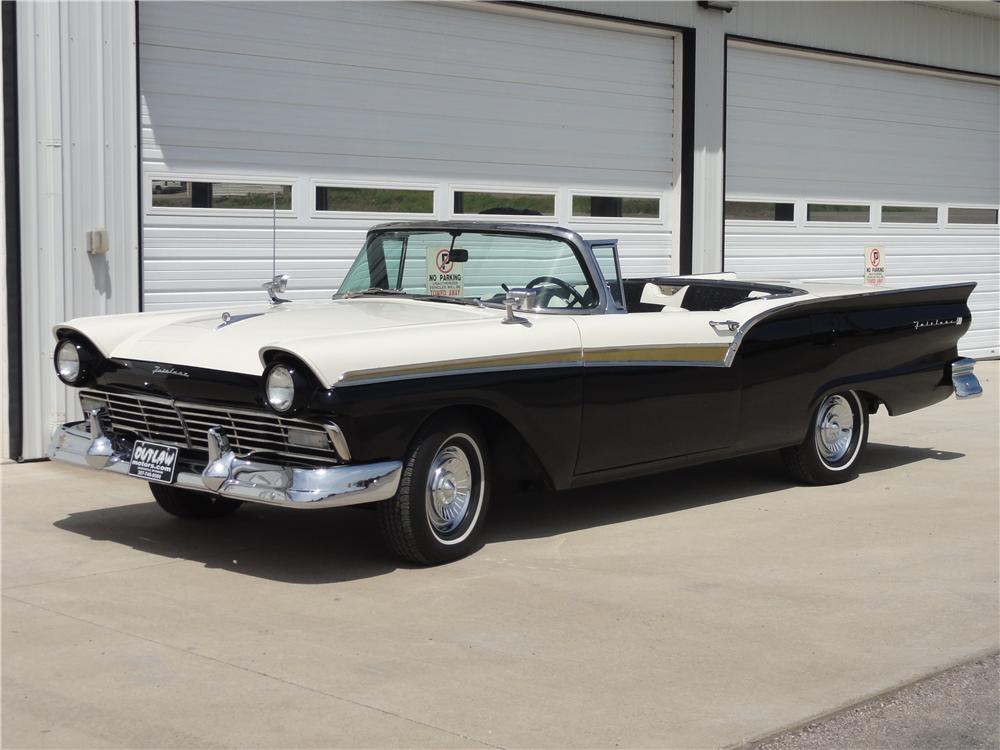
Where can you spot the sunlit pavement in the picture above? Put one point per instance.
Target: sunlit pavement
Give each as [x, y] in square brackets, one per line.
[700, 608]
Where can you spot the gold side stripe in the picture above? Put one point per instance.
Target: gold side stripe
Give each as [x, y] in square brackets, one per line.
[561, 357]
[712, 353]
[707, 354]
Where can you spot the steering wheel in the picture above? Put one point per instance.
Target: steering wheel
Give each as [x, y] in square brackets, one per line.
[571, 296]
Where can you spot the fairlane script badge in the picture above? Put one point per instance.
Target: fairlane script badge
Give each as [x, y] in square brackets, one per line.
[153, 462]
[918, 324]
[157, 370]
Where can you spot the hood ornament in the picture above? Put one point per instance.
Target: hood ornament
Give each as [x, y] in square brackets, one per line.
[275, 286]
[229, 319]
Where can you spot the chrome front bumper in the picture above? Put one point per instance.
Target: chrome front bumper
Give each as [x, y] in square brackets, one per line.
[965, 383]
[229, 475]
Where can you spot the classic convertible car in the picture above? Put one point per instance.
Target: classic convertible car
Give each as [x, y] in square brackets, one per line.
[457, 355]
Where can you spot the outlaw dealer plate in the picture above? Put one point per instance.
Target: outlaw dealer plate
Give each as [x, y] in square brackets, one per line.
[154, 462]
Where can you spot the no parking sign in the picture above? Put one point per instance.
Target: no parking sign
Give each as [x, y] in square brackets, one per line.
[445, 277]
[874, 265]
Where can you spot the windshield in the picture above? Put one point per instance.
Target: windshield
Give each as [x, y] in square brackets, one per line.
[470, 266]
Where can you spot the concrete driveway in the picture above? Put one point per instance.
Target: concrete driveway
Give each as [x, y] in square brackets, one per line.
[700, 608]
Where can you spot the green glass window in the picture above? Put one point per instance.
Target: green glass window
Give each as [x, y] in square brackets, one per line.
[374, 200]
[239, 195]
[909, 215]
[838, 212]
[759, 211]
[625, 208]
[972, 216]
[505, 204]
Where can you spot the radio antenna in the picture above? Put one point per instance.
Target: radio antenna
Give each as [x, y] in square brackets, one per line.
[277, 283]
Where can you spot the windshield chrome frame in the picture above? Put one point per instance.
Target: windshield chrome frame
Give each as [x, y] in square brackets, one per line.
[580, 247]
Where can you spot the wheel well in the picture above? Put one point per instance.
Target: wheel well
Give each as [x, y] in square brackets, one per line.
[870, 400]
[511, 456]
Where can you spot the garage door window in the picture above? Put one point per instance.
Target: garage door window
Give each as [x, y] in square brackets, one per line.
[505, 204]
[615, 207]
[374, 200]
[838, 212]
[972, 216]
[238, 195]
[759, 211]
[909, 214]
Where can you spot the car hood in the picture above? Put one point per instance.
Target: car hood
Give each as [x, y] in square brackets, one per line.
[335, 338]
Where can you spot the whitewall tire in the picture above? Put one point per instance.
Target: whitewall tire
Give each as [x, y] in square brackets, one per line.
[438, 512]
[834, 443]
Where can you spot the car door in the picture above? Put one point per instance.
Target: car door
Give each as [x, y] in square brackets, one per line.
[655, 386]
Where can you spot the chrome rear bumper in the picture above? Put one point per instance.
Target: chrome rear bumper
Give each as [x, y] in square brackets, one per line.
[966, 384]
[229, 475]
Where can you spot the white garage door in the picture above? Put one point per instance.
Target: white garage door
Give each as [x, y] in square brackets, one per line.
[824, 158]
[357, 113]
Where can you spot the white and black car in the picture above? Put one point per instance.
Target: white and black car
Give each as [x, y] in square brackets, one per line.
[459, 354]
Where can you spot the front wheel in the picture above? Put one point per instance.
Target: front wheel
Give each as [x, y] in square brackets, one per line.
[836, 439]
[439, 510]
[191, 504]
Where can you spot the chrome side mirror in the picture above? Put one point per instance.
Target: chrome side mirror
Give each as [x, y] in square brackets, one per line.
[520, 299]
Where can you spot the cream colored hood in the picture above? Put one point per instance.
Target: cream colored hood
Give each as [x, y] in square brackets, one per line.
[335, 338]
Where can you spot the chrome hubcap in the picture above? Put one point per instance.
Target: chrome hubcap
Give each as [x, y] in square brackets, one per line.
[834, 428]
[449, 489]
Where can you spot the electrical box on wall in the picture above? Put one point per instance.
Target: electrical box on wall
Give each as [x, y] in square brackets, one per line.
[97, 242]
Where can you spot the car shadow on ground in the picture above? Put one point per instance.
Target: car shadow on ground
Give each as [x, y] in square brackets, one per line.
[342, 544]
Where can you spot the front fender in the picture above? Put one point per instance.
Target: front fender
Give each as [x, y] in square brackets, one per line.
[543, 405]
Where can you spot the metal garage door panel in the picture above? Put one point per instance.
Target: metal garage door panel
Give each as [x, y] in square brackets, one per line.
[443, 97]
[819, 129]
[806, 130]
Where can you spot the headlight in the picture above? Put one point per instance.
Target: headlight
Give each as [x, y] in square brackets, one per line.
[67, 361]
[280, 388]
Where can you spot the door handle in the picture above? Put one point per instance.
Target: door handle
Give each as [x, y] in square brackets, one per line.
[729, 325]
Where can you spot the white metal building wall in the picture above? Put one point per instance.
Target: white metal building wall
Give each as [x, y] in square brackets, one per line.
[959, 35]
[947, 34]
[804, 129]
[78, 166]
[439, 97]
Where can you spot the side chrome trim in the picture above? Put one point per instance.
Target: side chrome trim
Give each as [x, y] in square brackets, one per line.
[965, 383]
[239, 478]
[709, 355]
[697, 355]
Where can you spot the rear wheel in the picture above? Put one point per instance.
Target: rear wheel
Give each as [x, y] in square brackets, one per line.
[439, 510]
[836, 439]
[191, 504]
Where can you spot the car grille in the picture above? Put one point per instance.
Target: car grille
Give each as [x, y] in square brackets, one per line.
[186, 425]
